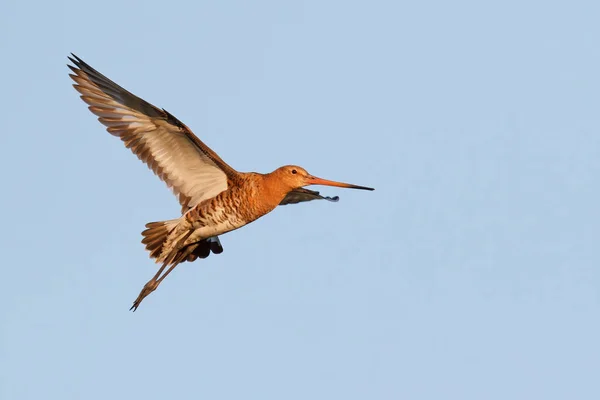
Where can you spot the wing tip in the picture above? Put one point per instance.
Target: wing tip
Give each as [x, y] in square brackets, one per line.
[75, 60]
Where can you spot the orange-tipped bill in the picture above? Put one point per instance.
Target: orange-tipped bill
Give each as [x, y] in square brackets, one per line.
[313, 180]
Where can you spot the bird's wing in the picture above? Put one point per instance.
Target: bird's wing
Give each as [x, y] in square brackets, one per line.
[300, 195]
[190, 168]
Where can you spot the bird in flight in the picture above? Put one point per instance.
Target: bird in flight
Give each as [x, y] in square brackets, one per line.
[214, 197]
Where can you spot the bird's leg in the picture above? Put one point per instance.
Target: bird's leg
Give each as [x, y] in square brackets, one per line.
[153, 283]
[167, 273]
[150, 287]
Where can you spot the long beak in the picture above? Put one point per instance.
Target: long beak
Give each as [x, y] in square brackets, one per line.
[313, 180]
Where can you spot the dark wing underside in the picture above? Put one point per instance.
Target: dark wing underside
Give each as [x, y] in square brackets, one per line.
[301, 195]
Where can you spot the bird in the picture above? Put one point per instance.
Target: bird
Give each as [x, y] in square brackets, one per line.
[214, 197]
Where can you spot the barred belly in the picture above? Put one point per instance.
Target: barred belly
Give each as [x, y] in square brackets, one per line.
[217, 223]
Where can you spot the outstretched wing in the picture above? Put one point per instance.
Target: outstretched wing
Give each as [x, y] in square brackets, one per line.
[190, 168]
[300, 195]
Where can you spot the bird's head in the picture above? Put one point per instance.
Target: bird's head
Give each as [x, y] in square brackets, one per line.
[293, 177]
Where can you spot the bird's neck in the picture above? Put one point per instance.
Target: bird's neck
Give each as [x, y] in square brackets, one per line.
[273, 191]
[259, 193]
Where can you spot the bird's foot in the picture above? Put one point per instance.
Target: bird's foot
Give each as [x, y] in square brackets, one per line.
[148, 288]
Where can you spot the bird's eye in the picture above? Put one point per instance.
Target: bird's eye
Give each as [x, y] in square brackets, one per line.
[294, 171]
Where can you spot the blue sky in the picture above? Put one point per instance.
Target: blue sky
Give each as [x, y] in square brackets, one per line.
[471, 272]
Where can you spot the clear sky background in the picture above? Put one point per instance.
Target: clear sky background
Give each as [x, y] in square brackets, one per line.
[471, 272]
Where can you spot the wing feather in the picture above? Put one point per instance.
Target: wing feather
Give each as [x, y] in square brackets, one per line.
[301, 195]
[190, 168]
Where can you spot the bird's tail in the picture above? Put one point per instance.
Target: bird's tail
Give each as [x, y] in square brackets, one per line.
[156, 235]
